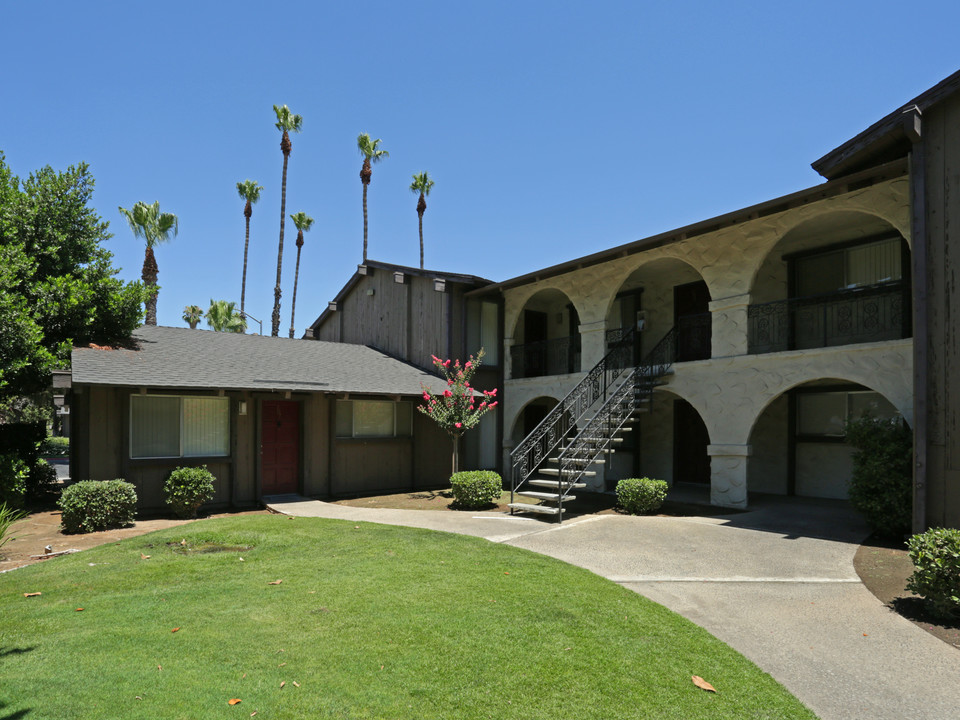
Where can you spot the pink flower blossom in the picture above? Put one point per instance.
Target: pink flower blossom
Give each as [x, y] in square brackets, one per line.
[468, 365]
[447, 393]
[446, 364]
[493, 404]
[458, 425]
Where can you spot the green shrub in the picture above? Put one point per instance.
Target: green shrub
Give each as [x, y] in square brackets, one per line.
[8, 516]
[55, 447]
[41, 479]
[187, 489]
[13, 479]
[640, 496]
[936, 574]
[475, 488]
[881, 488]
[92, 505]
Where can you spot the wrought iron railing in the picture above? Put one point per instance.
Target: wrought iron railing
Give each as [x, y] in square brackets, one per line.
[694, 334]
[544, 438]
[846, 318]
[546, 357]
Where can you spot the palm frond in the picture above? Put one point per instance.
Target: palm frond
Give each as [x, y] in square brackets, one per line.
[421, 183]
[249, 190]
[302, 221]
[370, 149]
[286, 120]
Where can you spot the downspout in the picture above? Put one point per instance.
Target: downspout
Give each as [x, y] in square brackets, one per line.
[912, 123]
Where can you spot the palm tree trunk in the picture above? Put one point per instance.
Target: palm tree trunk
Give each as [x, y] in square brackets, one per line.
[293, 303]
[420, 214]
[284, 145]
[149, 277]
[364, 222]
[248, 211]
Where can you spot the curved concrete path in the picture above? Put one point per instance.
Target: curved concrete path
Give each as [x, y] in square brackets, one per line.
[776, 583]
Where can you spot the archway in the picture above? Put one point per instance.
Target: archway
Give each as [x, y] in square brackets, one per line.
[546, 336]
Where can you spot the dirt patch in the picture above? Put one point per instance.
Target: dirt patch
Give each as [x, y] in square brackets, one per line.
[884, 567]
[40, 529]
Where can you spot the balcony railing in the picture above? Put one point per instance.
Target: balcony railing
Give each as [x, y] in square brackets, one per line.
[853, 316]
[547, 357]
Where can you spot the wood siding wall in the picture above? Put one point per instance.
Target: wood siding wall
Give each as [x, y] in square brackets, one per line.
[941, 138]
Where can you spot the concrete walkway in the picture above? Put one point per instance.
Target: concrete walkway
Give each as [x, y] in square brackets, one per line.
[776, 583]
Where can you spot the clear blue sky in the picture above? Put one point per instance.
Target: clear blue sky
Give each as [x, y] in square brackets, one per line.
[552, 129]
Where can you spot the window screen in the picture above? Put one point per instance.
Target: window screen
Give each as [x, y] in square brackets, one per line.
[154, 426]
[171, 426]
[206, 426]
[374, 419]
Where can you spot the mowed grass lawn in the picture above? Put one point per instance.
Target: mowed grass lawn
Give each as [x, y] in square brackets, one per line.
[368, 621]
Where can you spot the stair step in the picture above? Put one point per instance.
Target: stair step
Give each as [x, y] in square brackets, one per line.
[553, 497]
[581, 461]
[556, 484]
[556, 471]
[605, 451]
[543, 509]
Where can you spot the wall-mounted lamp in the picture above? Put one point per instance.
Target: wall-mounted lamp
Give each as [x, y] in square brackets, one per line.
[439, 285]
[370, 291]
[242, 407]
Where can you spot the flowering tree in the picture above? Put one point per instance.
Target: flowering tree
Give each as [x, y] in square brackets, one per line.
[458, 408]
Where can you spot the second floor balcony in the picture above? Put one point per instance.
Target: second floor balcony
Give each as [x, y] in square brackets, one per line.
[870, 314]
[546, 357]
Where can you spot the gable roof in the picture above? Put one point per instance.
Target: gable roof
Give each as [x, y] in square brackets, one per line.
[357, 277]
[888, 138]
[168, 357]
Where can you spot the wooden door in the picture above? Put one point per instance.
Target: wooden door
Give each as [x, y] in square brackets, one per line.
[534, 342]
[691, 464]
[691, 316]
[279, 447]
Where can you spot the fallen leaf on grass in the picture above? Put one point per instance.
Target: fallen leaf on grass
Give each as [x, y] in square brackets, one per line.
[296, 684]
[144, 557]
[275, 582]
[282, 683]
[253, 713]
[506, 573]
[281, 664]
[241, 559]
[79, 609]
[32, 594]
[159, 668]
[175, 629]
[702, 684]
[183, 542]
[234, 701]
[137, 697]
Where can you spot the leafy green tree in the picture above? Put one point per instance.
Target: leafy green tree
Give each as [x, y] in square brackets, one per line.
[286, 123]
[57, 284]
[421, 184]
[249, 191]
[222, 316]
[303, 223]
[192, 314]
[155, 227]
[370, 149]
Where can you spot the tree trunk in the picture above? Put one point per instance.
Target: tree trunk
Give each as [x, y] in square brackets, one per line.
[247, 212]
[293, 303]
[149, 277]
[364, 222]
[421, 239]
[285, 146]
[456, 454]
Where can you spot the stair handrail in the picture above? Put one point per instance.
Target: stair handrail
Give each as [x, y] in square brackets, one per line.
[527, 456]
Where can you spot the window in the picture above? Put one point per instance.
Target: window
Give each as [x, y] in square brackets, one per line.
[825, 414]
[374, 419]
[482, 331]
[873, 263]
[170, 426]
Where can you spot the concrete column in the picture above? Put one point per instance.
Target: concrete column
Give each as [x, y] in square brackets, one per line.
[593, 345]
[729, 320]
[728, 475]
[507, 358]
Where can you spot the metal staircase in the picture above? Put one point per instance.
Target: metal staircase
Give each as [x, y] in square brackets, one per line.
[584, 428]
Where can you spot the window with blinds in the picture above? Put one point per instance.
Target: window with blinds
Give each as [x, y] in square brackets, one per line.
[374, 419]
[873, 263]
[169, 426]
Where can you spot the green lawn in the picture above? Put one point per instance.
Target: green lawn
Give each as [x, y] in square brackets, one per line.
[369, 621]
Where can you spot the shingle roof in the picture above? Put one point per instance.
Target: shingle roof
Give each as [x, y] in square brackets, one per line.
[184, 358]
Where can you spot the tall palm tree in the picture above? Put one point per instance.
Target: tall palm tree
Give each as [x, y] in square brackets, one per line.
[303, 223]
[222, 316]
[247, 190]
[192, 315]
[421, 184]
[287, 122]
[370, 149]
[155, 227]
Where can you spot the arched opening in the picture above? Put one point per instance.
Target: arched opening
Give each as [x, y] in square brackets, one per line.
[838, 279]
[656, 297]
[671, 442]
[546, 337]
[798, 441]
[530, 416]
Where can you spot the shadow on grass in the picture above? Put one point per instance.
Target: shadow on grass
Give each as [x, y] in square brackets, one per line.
[4, 653]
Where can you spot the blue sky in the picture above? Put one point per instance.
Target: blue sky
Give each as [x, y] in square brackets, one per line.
[552, 129]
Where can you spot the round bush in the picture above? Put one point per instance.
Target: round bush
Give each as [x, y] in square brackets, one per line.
[936, 574]
[13, 479]
[188, 488]
[41, 479]
[881, 488]
[92, 505]
[640, 496]
[475, 488]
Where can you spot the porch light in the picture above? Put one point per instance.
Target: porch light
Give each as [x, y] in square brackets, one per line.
[242, 407]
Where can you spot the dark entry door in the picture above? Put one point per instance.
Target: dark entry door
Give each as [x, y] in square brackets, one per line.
[691, 464]
[280, 447]
[691, 315]
[535, 345]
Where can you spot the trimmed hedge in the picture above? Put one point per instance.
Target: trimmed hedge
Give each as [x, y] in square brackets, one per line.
[881, 488]
[92, 505]
[936, 574]
[187, 489]
[474, 489]
[55, 447]
[640, 496]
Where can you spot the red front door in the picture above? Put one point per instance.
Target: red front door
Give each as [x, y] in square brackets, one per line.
[280, 447]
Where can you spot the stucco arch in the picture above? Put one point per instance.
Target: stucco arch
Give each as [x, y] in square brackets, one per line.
[649, 265]
[515, 422]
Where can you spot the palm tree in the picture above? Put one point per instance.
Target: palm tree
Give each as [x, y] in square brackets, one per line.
[421, 184]
[192, 315]
[303, 223]
[370, 149]
[247, 190]
[155, 227]
[287, 122]
[222, 316]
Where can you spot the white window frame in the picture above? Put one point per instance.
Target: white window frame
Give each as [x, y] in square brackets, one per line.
[182, 429]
